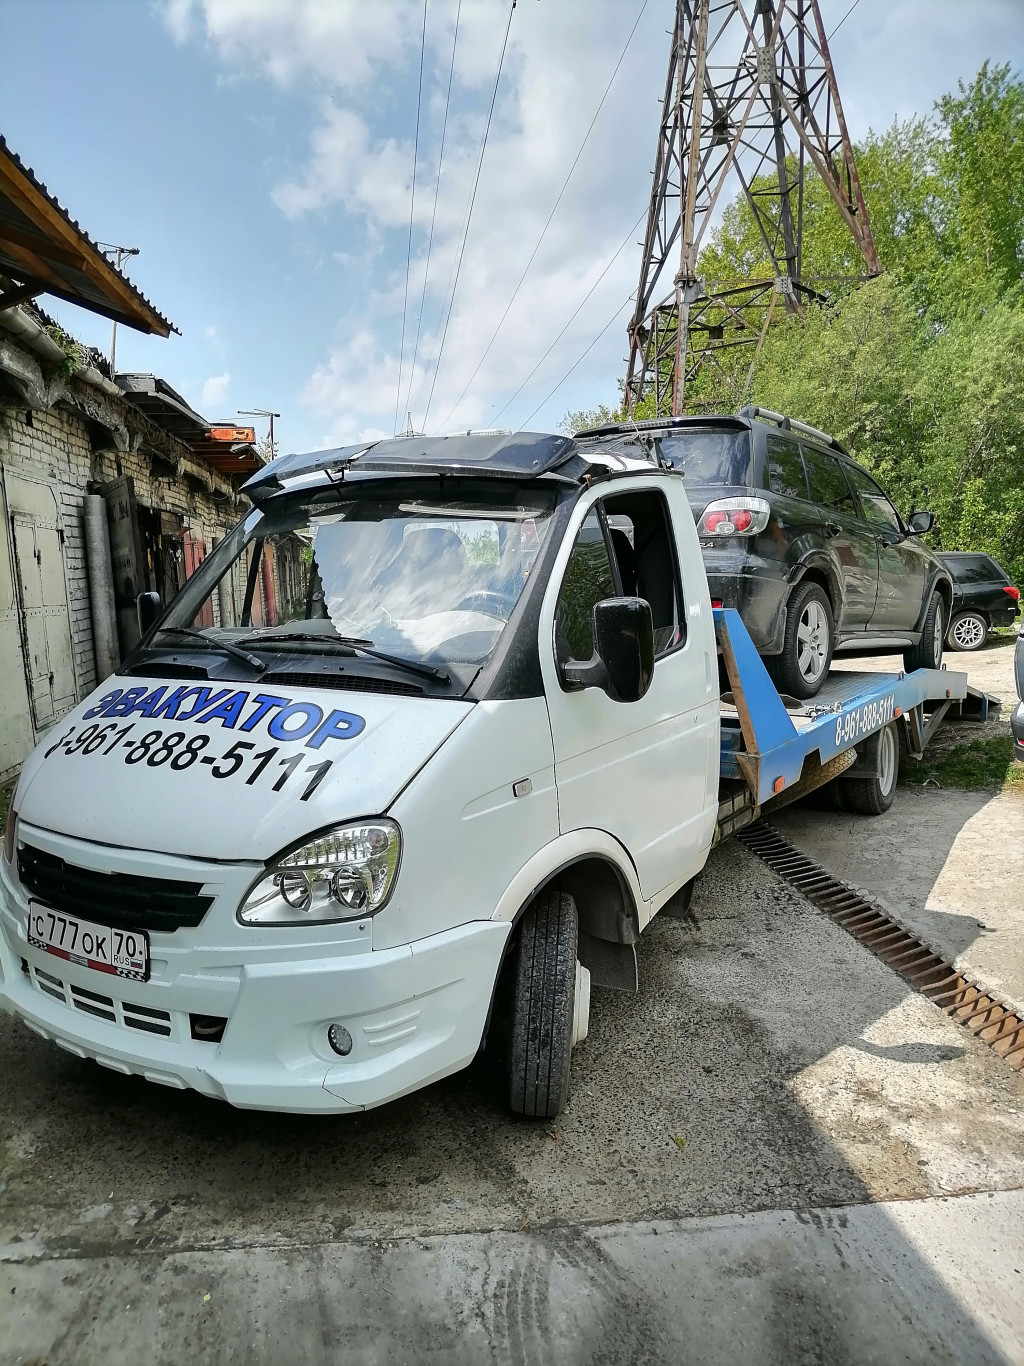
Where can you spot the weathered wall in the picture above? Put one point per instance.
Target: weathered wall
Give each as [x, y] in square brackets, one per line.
[70, 447]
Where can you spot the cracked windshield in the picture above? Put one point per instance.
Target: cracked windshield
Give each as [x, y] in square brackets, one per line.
[421, 581]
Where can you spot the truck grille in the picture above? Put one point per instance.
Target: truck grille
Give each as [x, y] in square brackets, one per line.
[125, 901]
[107, 1008]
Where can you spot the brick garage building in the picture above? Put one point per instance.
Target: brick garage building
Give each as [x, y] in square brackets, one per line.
[64, 436]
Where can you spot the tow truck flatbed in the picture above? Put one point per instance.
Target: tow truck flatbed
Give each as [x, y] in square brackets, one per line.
[772, 745]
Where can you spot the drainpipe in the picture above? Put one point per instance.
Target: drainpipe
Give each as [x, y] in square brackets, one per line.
[101, 586]
[224, 594]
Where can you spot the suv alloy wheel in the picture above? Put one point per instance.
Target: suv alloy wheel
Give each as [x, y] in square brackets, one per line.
[803, 665]
[967, 631]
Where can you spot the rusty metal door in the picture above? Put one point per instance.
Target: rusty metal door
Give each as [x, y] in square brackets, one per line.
[195, 554]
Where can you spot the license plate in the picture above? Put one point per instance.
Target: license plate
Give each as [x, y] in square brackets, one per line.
[122, 953]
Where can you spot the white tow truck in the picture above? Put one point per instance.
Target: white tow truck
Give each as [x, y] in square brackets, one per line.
[415, 756]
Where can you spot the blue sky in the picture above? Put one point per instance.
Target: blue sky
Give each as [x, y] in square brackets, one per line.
[259, 153]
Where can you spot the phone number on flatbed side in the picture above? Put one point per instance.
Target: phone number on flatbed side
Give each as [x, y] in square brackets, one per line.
[850, 725]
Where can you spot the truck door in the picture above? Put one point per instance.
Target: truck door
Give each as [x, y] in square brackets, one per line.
[636, 770]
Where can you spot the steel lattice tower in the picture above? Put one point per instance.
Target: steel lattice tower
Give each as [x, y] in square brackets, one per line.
[751, 97]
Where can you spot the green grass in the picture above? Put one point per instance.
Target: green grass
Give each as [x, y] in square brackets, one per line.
[5, 801]
[976, 765]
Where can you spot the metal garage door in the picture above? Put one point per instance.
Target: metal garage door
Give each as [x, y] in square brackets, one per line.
[15, 718]
[38, 544]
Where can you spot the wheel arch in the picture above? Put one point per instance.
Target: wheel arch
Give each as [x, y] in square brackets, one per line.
[818, 570]
[943, 585]
[596, 872]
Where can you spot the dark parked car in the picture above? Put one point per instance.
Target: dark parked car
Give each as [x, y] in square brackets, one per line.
[802, 541]
[983, 597]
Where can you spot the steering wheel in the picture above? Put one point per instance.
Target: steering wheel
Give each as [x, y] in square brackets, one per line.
[491, 604]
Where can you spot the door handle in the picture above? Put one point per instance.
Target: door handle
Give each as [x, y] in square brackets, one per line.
[832, 528]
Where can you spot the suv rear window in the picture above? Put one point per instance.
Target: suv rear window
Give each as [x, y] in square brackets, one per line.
[708, 455]
[785, 468]
[973, 568]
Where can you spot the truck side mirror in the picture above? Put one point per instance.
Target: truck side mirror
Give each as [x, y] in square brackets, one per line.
[622, 664]
[148, 606]
[920, 522]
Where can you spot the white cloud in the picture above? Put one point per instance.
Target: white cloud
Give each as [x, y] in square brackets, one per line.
[346, 166]
[215, 393]
[177, 15]
[338, 41]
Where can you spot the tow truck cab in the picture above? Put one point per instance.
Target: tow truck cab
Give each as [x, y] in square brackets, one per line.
[438, 713]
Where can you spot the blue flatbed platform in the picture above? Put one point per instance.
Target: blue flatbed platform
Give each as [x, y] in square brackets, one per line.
[770, 743]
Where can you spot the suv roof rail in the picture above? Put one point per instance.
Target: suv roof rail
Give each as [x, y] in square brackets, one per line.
[650, 424]
[787, 423]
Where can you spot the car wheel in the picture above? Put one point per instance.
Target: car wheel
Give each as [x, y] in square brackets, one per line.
[870, 786]
[927, 654]
[551, 1004]
[967, 631]
[803, 665]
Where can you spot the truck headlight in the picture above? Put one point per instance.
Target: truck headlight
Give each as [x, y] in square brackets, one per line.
[344, 873]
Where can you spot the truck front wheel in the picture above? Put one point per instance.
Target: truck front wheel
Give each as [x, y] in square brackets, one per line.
[547, 999]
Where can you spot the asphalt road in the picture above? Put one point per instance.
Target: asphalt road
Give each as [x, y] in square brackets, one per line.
[774, 1152]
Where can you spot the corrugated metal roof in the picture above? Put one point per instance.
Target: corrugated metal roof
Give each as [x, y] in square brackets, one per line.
[41, 242]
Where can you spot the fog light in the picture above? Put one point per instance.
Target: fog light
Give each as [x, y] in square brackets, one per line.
[340, 1040]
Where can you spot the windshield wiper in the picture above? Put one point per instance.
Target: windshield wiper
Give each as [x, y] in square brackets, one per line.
[187, 631]
[351, 643]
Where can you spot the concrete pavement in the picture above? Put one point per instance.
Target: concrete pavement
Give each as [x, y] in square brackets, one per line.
[927, 1281]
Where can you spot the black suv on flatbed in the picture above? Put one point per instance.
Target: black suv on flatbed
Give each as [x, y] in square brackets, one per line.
[983, 596]
[801, 540]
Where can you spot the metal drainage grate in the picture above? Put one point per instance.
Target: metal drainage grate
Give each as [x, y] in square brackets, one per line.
[970, 1005]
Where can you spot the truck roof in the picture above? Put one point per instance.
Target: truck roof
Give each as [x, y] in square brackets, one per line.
[489, 455]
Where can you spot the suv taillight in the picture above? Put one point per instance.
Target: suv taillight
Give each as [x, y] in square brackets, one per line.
[1013, 592]
[734, 517]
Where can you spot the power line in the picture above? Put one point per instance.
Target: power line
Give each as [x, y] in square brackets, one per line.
[625, 242]
[613, 318]
[843, 20]
[469, 212]
[540, 239]
[433, 212]
[412, 208]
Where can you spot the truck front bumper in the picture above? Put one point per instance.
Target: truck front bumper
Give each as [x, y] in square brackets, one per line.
[414, 1013]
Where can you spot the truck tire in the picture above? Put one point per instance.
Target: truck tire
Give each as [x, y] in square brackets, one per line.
[927, 654]
[807, 645]
[967, 631]
[870, 787]
[544, 994]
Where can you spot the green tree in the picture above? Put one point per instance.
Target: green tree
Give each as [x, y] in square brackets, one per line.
[921, 371]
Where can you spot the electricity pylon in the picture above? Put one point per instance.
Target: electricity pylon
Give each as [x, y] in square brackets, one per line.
[750, 99]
